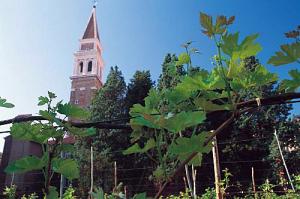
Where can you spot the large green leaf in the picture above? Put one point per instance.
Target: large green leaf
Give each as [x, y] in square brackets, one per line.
[153, 99]
[293, 84]
[208, 105]
[137, 149]
[183, 147]
[183, 120]
[53, 194]
[43, 100]
[25, 164]
[73, 111]
[82, 132]
[289, 53]
[67, 167]
[31, 132]
[252, 79]
[183, 58]
[5, 104]
[140, 196]
[98, 194]
[248, 47]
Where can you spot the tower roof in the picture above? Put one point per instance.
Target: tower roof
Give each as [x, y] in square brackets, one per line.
[91, 30]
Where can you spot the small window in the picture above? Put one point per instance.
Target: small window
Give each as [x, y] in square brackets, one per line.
[76, 102]
[90, 66]
[81, 67]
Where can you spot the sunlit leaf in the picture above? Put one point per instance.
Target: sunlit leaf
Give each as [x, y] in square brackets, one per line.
[184, 147]
[293, 84]
[67, 167]
[82, 132]
[30, 132]
[53, 194]
[208, 105]
[27, 163]
[72, 111]
[289, 53]
[140, 196]
[137, 149]
[248, 47]
[43, 100]
[183, 58]
[183, 120]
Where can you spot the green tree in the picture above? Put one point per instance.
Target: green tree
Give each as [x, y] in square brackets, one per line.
[138, 88]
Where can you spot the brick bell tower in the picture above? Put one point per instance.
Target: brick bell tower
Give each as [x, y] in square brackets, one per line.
[88, 65]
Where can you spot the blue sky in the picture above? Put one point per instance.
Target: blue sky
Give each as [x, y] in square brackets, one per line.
[38, 39]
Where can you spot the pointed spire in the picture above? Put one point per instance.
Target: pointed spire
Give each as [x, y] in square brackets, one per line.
[91, 30]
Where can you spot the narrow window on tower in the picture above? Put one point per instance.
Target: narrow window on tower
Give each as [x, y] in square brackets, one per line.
[90, 65]
[81, 67]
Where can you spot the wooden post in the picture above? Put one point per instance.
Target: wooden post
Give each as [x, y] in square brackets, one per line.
[115, 174]
[125, 191]
[194, 174]
[185, 185]
[253, 183]
[61, 185]
[217, 169]
[92, 170]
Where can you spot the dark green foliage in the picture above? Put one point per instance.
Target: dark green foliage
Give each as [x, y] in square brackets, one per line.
[170, 76]
[138, 88]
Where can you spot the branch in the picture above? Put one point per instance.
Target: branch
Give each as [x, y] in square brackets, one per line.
[276, 99]
[99, 125]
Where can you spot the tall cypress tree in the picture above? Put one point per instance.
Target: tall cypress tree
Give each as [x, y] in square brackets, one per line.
[138, 88]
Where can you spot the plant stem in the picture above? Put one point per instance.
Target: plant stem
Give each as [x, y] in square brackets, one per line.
[220, 63]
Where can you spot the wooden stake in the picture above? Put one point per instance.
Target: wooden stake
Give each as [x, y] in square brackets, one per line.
[217, 169]
[115, 174]
[125, 191]
[92, 170]
[185, 185]
[194, 174]
[286, 169]
[253, 183]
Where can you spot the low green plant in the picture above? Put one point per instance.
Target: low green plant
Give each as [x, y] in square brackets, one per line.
[31, 196]
[209, 193]
[10, 192]
[50, 135]
[69, 193]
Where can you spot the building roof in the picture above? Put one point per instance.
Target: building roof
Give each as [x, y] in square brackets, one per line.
[91, 30]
